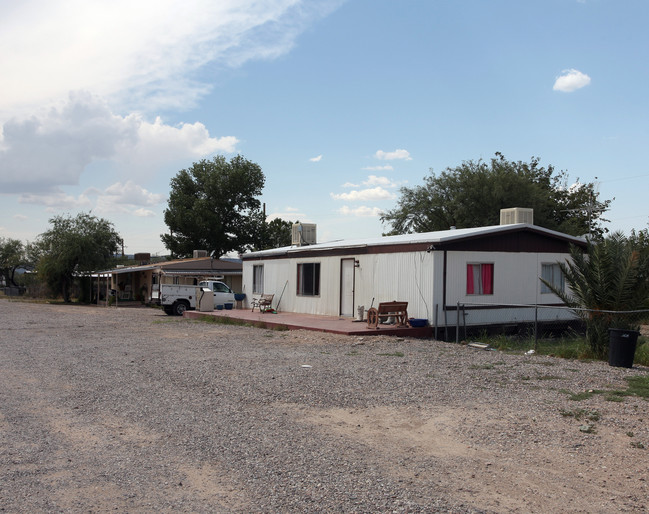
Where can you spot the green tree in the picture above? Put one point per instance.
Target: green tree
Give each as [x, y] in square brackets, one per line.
[274, 234]
[639, 240]
[213, 206]
[606, 285]
[12, 257]
[472, 194]
[74, 246]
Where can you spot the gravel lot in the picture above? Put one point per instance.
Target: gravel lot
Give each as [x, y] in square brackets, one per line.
[130, 410]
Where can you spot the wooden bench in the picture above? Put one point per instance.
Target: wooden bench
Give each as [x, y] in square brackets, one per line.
[398, 310]
[263, 302]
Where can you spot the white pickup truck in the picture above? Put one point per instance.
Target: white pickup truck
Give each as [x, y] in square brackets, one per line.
[222, 293]
[176, 299]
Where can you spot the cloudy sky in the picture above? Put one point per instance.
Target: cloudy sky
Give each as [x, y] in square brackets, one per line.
[341, 102]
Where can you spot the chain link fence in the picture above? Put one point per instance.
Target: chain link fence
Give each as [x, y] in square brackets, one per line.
[529, 323]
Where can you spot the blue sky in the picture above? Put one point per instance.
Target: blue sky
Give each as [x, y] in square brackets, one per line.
[340, 102]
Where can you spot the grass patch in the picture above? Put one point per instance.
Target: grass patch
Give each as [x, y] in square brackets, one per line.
[220, 321]
[638, 386]
[548, 377]
[223, 321]
[642, 352]
[577, 397]
[579, 414]
[584, 395]
[567, 347]
[481, 366]
[394, 354]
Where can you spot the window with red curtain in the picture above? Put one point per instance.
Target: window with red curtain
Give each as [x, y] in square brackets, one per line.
[480, 278]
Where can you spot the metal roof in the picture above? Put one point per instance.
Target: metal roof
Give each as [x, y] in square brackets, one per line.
[438, 237]
[202, 265]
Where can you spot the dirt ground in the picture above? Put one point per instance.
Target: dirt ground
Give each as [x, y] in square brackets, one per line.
[128, 410]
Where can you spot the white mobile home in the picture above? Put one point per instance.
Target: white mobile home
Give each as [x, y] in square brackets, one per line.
[434, 272]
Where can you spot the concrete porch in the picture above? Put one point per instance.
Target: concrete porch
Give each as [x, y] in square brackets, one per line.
[293, 321]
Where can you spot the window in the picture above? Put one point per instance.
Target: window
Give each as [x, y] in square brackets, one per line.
[221, 288]
[258, 279]
[480, 278]
[552, 274]
[308, 279]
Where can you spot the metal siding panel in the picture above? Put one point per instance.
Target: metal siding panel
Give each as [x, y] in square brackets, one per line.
[382, 277]
[515, 277]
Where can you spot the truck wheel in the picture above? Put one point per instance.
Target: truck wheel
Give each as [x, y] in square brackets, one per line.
[168, 310]
[179, 308]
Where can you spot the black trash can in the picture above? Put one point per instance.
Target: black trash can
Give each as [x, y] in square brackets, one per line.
[621, 347]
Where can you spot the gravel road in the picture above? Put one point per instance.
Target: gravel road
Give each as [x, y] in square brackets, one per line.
[129, 410]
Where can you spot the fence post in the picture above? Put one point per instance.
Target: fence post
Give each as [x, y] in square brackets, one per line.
[464, 320]
[536, 325]
[445, 322]
[435, 320]
[457, 324]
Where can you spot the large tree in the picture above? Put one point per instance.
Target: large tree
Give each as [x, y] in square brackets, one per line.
[12, 257]
[274, 234]
[74, 246]
[472, 194]
[213, 206]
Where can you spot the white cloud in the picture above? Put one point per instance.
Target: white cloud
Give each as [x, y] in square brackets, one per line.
[57, 201]
[365, 195]
[39, 154]
[126, 198]
[117, 198]
[570, 81]
[373, 180]
[316, 159]
[350, 184]
[144, 52]
[19, 217]
[387, 167]
[390, 156]
[132, 194]
[143, 213]
[361, 212]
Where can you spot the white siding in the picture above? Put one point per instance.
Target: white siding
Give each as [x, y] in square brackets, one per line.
[415, 277]
[379, 277]
[515, 278]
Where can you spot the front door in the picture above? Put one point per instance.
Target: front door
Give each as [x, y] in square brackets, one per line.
[347, 287]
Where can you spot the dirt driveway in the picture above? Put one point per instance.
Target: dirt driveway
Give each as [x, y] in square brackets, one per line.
[129, 410]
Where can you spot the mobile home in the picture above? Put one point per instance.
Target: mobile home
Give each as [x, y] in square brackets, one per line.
[484, 268]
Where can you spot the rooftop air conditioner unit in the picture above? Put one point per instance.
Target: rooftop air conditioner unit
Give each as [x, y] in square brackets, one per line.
[200, 253]
[516, 215]
[303, 234]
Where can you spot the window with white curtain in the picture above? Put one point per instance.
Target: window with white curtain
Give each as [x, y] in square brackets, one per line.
[258, 279]
[552, 274]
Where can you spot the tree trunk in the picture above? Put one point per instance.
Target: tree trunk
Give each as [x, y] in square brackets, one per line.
[66, 290]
